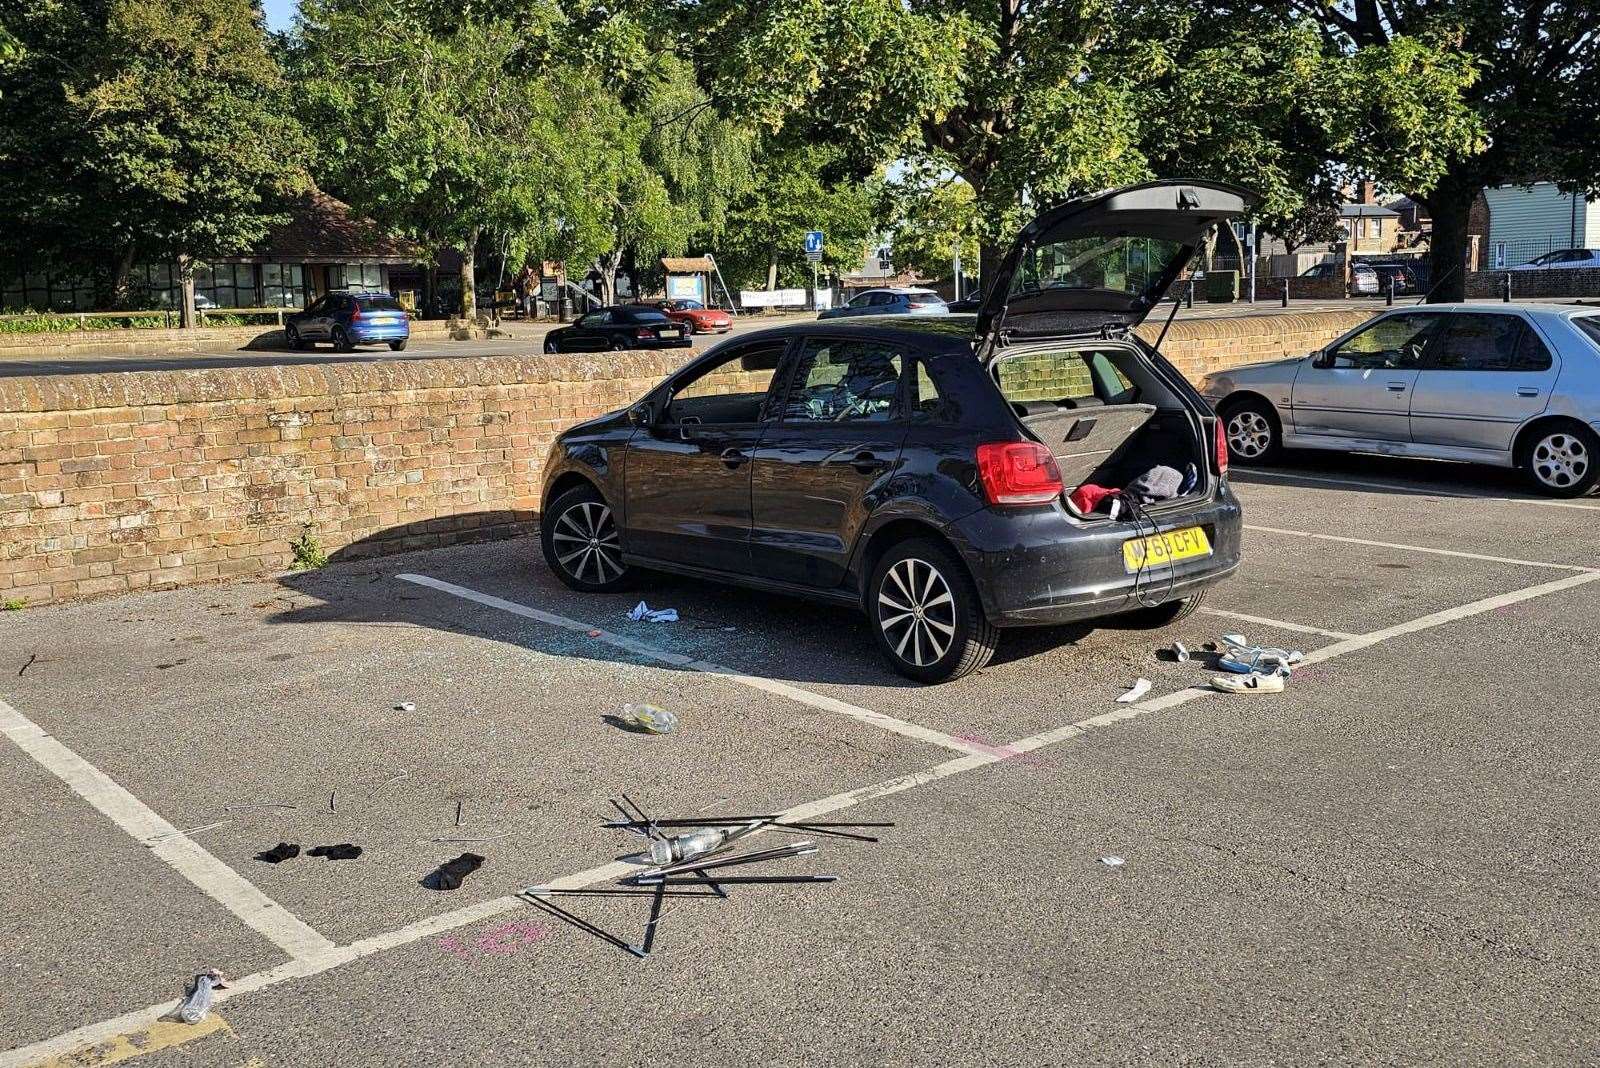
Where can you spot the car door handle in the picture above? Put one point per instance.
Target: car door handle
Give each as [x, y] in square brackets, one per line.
[734, 457]
[867, 463]
[1527, 391]
[1397, 387]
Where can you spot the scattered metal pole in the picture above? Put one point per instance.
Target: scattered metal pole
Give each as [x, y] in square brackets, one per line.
[1390, 294]
[1505, 288]
[1188, 299]
[1285, 292]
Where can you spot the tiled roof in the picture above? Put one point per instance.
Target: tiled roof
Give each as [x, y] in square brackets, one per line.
[687, 264]
[322, 227]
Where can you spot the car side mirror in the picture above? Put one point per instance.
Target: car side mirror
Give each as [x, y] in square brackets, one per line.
[1323, 359]
[642, 415]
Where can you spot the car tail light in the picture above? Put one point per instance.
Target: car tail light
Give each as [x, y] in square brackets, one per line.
[1222, 447]
[356, 314]
[1018, 472]
[920, 304]
[644, 332]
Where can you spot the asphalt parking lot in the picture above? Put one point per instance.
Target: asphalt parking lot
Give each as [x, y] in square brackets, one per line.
[1391, 862]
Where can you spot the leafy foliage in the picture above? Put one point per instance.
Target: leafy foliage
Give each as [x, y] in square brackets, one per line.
[166, 134]
[931, 217]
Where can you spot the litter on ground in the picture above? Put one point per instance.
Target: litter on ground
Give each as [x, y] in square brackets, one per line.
[1113, 862]
[1251, 683]
[653, 615]
[649, 719]
[197, 1005]
[1139, 688]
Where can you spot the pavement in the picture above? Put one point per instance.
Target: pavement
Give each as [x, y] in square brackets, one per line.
[1391, 862]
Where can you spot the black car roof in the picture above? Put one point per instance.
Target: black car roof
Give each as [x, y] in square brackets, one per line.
[945, 333]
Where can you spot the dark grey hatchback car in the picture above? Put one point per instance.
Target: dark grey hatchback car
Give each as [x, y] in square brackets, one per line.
[944, 475]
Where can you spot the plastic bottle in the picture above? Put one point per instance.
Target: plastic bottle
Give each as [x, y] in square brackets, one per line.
[685, 846]
[198, 1004]
[649, 718]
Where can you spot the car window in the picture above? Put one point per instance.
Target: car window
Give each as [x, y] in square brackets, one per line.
[730, 390]
[1589, 326]
[879, 299]
[1532, 355]
[1476, 342]
[926, 403]
[380, 304]
[319, 305]
[690, 305]
[599, 318]
[646, 315]
[1395, 341]
[860, 301]
[838, 381]
[1046, 376]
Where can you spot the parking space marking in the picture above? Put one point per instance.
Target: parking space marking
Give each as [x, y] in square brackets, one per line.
[1277, 624]
[327, 959]
[1415, 488]
[794, 693]
[185, 856]
[1416, 548]
[128, 1045]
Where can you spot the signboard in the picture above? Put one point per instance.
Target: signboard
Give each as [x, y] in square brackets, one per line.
[774, 298]
[686, 287]
[814, 242]
[814, 257]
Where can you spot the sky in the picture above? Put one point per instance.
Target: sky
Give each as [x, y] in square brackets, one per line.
[280, 13]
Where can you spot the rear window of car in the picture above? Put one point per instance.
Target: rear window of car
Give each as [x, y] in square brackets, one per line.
[644, 315]
[1590, 326]
[380, 304]
[922, 296]
[1055, 376]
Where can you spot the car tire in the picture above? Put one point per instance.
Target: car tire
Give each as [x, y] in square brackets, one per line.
[618, 345]
[1254, 433]
[551, 348]
[925, 613]
[1562, 459]
[582, 545]
[295, 341]
[398, 346]
[342, 342]
[1164, 614]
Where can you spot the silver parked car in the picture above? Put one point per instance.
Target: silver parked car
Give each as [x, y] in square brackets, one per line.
[1513, 385]
[1564, 259]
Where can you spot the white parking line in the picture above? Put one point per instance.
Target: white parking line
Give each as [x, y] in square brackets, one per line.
[327, 959]
[1417, 489]
[1277, 624]
[781, 689]
[215, 879]
[1415, 548]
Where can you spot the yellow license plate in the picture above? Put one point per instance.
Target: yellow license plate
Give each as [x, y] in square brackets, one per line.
[1161, 549]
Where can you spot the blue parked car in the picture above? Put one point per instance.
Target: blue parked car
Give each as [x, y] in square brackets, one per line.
[895, 301]
[348, 320]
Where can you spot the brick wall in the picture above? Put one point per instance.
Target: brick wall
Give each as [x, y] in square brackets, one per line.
[1303, 288]
[1571, 282]
[161, 342]
[125, 481]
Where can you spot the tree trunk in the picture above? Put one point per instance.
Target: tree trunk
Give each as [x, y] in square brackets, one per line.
[430, 291]
[121, 290]
[772, 269]
[1450, 204]
[990, 254]
[606, 267]
[186, 317]
[469, 276]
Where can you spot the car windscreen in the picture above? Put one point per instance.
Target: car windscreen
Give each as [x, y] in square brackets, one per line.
[379, 304]
[1124, 265]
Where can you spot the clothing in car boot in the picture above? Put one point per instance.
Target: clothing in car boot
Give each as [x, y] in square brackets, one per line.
[1160, 483]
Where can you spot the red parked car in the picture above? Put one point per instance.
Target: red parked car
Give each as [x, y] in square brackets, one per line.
[696, 316]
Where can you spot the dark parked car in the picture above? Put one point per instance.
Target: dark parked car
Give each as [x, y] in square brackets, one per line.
[348, 320]
[922, 469]
[626, 326]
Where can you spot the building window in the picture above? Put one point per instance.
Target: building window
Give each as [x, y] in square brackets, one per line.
[226, 285]
[282, 285]
[364, 276]
[155, 285]
[38, 292]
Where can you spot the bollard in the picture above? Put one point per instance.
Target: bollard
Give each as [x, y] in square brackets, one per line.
[1390, 295]
[1188, 299]
[1285, 292]
[1505, 288]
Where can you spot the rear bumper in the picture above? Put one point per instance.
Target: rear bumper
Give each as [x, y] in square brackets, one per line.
[391, 332]
[662, 342]
[1040, 566]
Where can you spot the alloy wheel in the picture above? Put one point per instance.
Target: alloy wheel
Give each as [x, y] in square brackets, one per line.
[585, 539]
[1561, 460]
[1249, 434]
[917, 612]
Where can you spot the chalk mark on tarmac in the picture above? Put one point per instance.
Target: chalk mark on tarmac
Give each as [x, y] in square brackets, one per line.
[336, 956]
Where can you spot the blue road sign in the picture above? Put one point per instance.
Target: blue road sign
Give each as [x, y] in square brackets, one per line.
[813, 240]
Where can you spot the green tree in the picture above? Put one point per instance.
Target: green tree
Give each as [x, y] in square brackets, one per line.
[1535, 102]
[932, 219]
[446, 138]
[1029, 103]
[763, 244]
[138, 129]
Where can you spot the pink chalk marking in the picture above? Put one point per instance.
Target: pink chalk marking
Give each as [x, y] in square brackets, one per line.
[498, 941]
